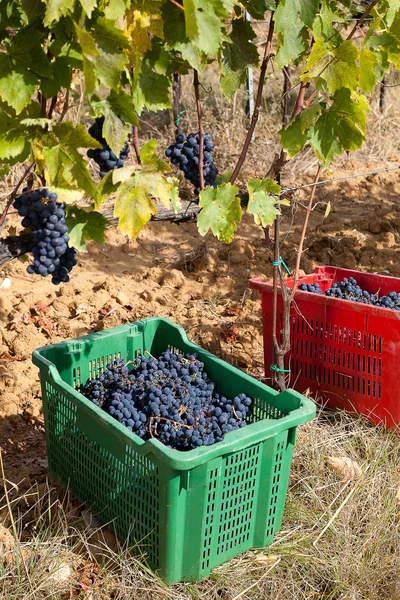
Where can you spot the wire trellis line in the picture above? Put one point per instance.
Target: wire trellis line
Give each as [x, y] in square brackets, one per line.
[325, 181]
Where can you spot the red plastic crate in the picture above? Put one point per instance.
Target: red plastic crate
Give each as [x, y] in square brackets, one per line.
[346, 353]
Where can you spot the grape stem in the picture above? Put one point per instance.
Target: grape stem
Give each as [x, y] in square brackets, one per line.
[304, 230]
[201, 129]
[135, 144]
[15, 192]
[254, 119]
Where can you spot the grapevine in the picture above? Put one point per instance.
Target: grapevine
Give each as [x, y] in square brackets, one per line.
[170, 398]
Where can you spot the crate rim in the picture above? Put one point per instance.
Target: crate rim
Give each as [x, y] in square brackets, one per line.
[178, 459]
[267, 286]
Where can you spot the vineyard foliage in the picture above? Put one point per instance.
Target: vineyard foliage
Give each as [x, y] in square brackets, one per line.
[126, 51]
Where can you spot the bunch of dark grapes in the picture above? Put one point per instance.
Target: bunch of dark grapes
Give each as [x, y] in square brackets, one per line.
[314, 288]
[185, 153]
[170, 398]
[348, 289]
[46, 218]
[105, 158]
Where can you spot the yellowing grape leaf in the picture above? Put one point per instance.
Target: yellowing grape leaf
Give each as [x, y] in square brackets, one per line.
[263, 200]
[143, 19]
[134, 204]
[332, 69]
[221, 211]
[133, 207]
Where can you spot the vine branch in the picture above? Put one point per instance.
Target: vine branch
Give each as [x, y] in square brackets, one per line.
[304, 230]
[254, 119]
[201, 129]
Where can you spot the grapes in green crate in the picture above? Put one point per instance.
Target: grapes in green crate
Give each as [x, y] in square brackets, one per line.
[171, 399]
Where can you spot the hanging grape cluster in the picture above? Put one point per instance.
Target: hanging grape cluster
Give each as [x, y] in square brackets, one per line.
[46, 218]
[348, 289]
[170, 398]
[185, 153]
[105, 158]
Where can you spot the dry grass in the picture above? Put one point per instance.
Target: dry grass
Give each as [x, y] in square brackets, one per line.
[339, 540]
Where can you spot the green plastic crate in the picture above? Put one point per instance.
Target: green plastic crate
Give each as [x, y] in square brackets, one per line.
[188, 511]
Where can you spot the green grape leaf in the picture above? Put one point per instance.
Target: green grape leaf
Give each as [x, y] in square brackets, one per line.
[296, 134]
[286, 15]
[204, 25]
[115, 130]
[292, 45]
[237, 56]
[220, 211]
[150, 160]
[13, 138]
[55, 9]
[368, 69]
[115, 9]
[16, 86]
[103, 54]
[106, 188]
[89, 53]
[340, 128]
[88, 6]
[4, 171]
[288, 12]
[26, 51]
[308, 10]
[61, 79]
[152, 90]
[175, 200]
[389, 44]
[122, 104]
[258, 8]
[332, 69]
[64, 166]
[84, 224]
[176, 39]
[262, 204]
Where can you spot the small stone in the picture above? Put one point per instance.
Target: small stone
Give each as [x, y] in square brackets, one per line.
[388, 239]
[6, 283]
[375, 227]
[236, 258]
[121, 298]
